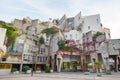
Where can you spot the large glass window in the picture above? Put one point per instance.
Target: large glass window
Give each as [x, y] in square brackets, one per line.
[42, 50]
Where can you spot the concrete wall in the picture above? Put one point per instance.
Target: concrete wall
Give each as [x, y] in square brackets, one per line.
[91, 22]
[107, 33]
[5, 71]
[77, 19]
[62, 22]
[73, 35]
[2, 37]
[114, 44]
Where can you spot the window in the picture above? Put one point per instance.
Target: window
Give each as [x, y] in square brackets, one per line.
[66, 36]
[43, 59]
[70, 36]
[97, 21]
[47, 35]
[42, 50]
[40, 59]
[79, 18]
[46, 59]
[76, 36]
[82, 22]
[47, 39]
[34, 59]
[88, 27]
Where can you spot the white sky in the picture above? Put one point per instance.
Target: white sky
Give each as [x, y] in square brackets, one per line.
[109, 10]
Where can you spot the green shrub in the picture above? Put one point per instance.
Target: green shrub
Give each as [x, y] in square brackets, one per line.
[25, 68]
[38, 69]
[14, 69]
[47, 68]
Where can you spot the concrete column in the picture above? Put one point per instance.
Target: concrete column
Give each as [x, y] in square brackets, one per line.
[21, 65]
[52, 62]
[59, 64]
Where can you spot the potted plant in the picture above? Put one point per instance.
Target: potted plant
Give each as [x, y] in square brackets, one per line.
[38, 70]
[26, 69]
[90, 67]
[51, 70]
[87, 72]
[14, 70]
[47, 68]
[99, 66]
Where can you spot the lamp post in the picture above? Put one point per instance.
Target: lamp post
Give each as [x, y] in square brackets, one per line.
[32, 66]
[32, 69]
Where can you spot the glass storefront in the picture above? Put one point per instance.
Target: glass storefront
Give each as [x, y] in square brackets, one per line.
[71, 66]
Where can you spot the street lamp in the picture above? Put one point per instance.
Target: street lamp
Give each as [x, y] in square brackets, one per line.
[32, 66]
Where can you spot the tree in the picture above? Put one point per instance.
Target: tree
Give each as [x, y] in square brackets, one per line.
[11, 34]
[41, 40]
[96, 35]
[61, 44]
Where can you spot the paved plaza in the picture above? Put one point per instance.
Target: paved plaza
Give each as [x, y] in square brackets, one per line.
[61, 76]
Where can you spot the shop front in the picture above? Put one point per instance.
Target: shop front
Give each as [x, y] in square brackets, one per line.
[71, 63]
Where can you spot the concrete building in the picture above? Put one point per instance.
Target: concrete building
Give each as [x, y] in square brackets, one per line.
[2, 40]
[114, 53]
[87, 27]
[26, 49]
[78, 31]
[3, 70]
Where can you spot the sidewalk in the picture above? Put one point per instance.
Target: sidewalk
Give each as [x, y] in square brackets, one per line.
[61, 76]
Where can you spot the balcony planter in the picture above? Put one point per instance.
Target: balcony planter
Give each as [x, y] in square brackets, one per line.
[51, 70]
[99, 74]
[14, 71]
[108, 72]
[28, 71]
[87, 73]
[38, 71]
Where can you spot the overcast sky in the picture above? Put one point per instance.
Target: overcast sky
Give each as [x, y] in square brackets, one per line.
[109, 10]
